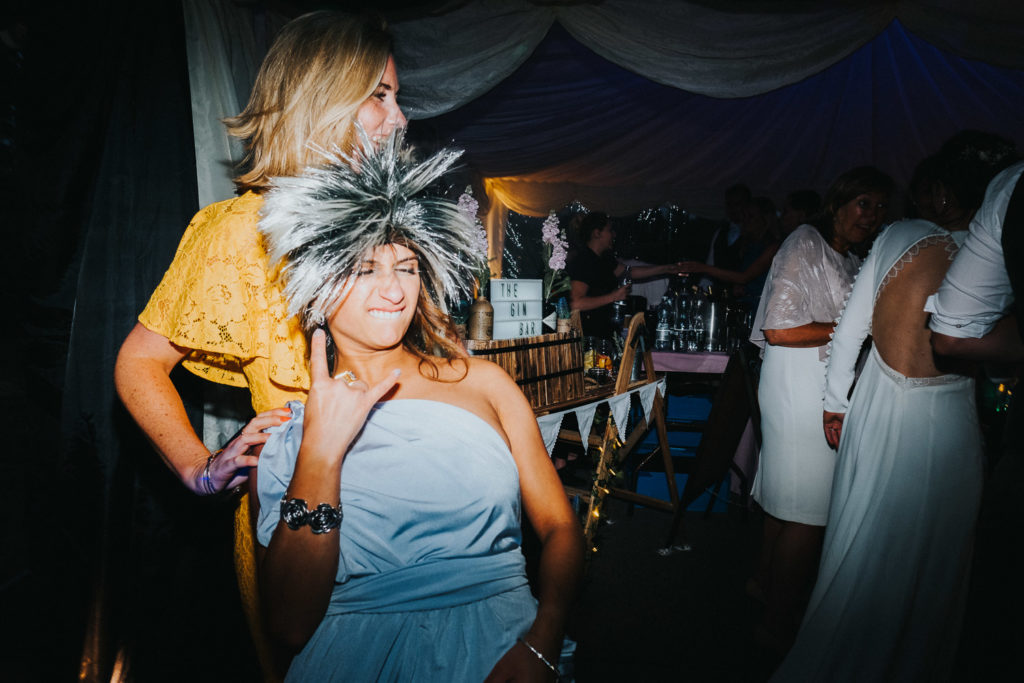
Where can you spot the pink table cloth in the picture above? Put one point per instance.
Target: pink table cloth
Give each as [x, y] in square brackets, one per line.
[702, 361]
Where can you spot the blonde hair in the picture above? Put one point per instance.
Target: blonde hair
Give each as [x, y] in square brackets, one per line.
[320, 69]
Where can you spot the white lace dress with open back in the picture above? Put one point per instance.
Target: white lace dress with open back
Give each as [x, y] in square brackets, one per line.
[889, 597]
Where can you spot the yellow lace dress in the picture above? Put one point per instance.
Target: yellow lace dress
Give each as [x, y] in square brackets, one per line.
[219, 301]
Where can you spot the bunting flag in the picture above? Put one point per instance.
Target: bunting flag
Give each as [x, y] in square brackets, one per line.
[619, 406]
[551, 424]
[549, 428]
[647, 396]
[585, 420]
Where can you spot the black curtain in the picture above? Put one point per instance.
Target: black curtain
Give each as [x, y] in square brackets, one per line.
[114, 565]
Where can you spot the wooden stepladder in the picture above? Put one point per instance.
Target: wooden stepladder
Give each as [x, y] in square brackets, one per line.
[611, 458]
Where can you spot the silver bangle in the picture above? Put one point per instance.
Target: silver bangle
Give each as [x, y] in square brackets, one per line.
[541, 657]
[205, 479]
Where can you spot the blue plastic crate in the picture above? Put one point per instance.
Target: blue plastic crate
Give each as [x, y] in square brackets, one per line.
[688, 408]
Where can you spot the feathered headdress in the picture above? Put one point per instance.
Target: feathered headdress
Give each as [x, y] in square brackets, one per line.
[320, 225]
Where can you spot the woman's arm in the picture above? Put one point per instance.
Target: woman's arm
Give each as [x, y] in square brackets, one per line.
[1002, 344]
[853, 328]
[804, 336]
[298, 567]
[643, 272]
[761, 265]
[547, 507]
[142, 379]
[579, 301]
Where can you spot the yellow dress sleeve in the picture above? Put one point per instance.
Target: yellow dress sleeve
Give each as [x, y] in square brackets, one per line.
[218, 301]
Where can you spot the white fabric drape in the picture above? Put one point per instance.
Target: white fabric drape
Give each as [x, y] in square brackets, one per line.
[734, 49]
[728, 50]
[222, 57]
[445, 61]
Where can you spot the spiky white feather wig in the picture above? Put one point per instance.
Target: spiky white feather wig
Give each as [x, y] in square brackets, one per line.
[319, 226]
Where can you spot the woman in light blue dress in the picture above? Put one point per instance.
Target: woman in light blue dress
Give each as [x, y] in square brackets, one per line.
[390, 504]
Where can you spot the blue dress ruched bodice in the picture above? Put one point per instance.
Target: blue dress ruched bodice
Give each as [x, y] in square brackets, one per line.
[430, 570]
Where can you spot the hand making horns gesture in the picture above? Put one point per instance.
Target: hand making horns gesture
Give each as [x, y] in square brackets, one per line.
[337, 406]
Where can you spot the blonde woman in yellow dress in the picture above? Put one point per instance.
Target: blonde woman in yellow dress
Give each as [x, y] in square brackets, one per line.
[218, 311]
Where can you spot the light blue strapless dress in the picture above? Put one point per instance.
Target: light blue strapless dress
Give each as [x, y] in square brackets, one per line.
[431, 582]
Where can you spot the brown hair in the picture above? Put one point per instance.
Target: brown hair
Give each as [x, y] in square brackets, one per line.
[968, 161]
[846, 188]
[320, 69]
[431, 336]
[589, 224]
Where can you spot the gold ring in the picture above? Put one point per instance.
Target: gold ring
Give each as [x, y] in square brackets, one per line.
[348, 376]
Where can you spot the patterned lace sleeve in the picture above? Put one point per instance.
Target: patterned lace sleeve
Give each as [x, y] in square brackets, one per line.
[791, 282]
[218, 301]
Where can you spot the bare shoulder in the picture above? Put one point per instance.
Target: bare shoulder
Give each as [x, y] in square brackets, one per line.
[488, 376]
[498, 388]
[475, 380]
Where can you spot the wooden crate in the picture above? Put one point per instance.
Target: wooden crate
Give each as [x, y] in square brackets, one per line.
[547, 367]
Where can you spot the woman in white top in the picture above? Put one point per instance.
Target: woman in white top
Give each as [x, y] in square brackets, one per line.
[807, 284]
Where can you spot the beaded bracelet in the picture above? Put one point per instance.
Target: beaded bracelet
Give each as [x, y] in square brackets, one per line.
[541, 657]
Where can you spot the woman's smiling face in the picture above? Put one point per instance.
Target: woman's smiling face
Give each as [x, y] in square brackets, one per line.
[380, 114]
[858, 219]
[380, 304]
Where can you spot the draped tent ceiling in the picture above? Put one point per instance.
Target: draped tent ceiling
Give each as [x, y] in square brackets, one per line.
[627, 104]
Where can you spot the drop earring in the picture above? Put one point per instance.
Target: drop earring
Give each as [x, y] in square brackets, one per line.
[330, 349]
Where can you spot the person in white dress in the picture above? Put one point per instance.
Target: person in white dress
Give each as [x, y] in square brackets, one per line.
[888, 600]
[807, 284]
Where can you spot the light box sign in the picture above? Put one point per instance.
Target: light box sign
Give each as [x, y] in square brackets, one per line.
[518, 308]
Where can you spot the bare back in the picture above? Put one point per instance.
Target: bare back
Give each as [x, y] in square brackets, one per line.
[899, 323]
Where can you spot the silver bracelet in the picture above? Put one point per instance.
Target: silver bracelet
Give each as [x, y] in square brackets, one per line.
[322, 519]
[541, 657]
[205, 479]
